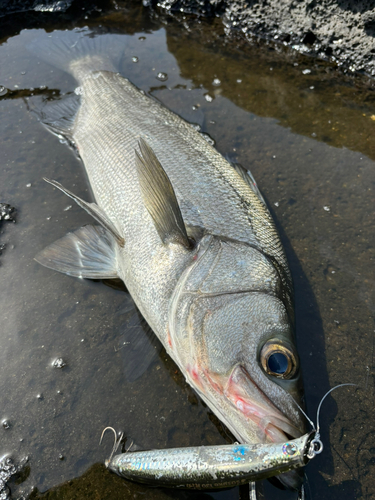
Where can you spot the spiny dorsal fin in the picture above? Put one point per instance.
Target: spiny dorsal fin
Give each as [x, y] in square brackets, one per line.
[159, 197]
[92, 209]
[88, 252]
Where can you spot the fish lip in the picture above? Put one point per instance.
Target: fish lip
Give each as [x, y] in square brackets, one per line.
[273, 424]
[269, 420]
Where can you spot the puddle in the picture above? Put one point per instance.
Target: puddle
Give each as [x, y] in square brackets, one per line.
[67, 344]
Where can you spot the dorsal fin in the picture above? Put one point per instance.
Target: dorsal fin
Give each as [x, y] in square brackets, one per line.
[93, 209]
[159, 197]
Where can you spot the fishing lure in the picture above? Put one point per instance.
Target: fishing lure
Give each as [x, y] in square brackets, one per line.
[203, 467]
[209, 467]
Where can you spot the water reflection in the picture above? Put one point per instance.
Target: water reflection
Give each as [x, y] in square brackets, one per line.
[321, 194]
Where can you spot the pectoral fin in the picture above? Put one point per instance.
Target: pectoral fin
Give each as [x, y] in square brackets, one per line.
[93, 209]
[89, 252]
[159, 197]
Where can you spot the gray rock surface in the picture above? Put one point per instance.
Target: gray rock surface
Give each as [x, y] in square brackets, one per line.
[339, 30]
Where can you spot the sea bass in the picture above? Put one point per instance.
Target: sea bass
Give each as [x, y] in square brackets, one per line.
[188, 233]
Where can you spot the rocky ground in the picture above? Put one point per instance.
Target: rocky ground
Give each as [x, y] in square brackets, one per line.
[339, 30]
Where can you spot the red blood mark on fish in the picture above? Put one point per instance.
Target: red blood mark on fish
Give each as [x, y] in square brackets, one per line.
[169, 340]
[193, 371]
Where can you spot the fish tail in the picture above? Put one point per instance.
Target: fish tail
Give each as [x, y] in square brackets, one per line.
[80, 51]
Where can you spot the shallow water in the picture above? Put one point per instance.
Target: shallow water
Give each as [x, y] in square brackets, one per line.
[308, 138]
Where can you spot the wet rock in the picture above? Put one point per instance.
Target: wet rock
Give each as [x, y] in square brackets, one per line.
[162, 76]
[7, 470]
[59, 363]
[200, 7]
[7, 212]
[343, 32]
[12, 6]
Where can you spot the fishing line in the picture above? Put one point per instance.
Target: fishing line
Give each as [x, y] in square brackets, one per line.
[253, 491]
[321, 401]
[316, 445]
[301, 493]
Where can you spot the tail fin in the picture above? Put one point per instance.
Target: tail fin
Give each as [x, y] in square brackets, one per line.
[80, 51]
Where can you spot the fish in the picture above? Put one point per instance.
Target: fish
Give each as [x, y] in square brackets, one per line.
[210, 467]
[189, 234]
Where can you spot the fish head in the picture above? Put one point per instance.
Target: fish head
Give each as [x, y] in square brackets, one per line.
[232, 336]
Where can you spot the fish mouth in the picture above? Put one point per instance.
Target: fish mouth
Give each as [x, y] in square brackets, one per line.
[257, 410]
[273, 428]
[272, 425]
[251, 404]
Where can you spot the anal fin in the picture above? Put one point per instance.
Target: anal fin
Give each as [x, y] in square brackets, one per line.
[88, 252]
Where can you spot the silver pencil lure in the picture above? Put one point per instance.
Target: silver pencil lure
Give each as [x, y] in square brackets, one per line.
[208, 467]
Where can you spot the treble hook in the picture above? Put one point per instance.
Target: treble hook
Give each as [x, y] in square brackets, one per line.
[116, 444]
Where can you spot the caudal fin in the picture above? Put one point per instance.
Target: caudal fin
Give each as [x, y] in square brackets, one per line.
[80, 51]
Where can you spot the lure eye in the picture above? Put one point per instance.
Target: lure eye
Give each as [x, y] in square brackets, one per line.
[278, 360]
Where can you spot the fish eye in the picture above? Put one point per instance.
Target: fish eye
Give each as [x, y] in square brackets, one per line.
[278, 360]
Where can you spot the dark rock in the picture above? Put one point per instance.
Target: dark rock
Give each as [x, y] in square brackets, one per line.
[340, 30]
[13, 6]
[8, 469]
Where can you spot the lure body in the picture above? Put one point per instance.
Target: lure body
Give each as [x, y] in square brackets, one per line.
[208, 467]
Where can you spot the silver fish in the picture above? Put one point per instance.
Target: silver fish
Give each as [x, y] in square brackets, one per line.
[189, 234]
[208, 467]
